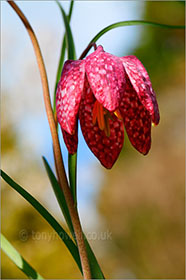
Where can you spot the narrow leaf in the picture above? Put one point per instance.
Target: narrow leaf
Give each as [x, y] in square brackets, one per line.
[69, 37]
[70, 10]
[62, 57]
[47, 216]
[94, 266]
[19, 261]
[130, 23]
[133, 22]
[59, 195]
[72, 171]
[72, 159]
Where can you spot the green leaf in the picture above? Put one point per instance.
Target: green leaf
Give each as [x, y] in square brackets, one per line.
[47, 216]
[62, 57]
[69, 37]
[130, 23]
[21, 263]
[133, 22]
[94, 265]
[59, 195]
[70, 10]
[72, 159]
[95, 268]
[72, 171]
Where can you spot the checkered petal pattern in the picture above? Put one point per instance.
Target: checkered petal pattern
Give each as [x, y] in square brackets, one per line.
[106, 93]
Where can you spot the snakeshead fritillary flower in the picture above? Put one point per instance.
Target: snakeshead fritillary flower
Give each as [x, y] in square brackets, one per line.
[106, 92]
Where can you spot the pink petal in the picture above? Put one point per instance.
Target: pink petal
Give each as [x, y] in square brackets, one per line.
[106, 77]
[141, 82]
[105, 148]
[137, 120]
[71, 141]
[68, 94]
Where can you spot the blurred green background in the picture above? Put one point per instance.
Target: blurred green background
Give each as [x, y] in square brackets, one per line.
[138, 230]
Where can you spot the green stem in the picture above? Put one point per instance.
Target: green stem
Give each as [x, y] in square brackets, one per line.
[62, 57]
[94, 266]
[60, 196]
[133, 22]
[72, 171]
[69, 43]
[129, 23]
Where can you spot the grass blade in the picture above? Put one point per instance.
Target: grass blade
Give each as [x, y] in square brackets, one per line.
[70, 10]
[69, 37]
[131, 23]
[72, 159]
[95, 268]
[62, 57]
[72, 171]
[59, 195]
[19, 261]
[47, 216]
[96, 271]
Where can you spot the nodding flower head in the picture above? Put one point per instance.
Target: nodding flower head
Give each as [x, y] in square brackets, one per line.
[106, 93]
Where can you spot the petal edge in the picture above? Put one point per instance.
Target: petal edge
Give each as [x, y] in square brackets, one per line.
[140, 81]
[105, 148]
[106, 77]
[137, 120]
[68, 95]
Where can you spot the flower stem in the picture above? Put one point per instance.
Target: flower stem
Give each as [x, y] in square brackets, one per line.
[84, 53]
[57, 151]
[132, 23]
[62, 57]
[72, 171]
[126, 23]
